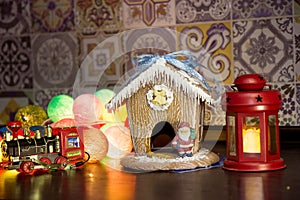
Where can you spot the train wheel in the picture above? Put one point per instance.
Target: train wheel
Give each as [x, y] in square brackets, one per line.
[46, 161]
[27, 167]
[63, 161]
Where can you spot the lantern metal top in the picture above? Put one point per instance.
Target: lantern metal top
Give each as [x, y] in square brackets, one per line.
[250, 82]
[249, 95]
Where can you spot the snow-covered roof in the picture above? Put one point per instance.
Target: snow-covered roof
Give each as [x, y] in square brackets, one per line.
[184, 78]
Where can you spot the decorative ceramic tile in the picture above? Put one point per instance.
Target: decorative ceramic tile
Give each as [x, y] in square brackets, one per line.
[298, 116]
[15, 63]
[101, 58]
[298, 103]
[296, 8]
[43, 97]
[297, 47]
[264, 47]
[54, 60]
[287, 114]
[14, 17]
[298, 93]
[147, 41]
[258, 9]
[10, 102]
[92, 16]
[161, 39]
[148, 13]
[212, 45]
[190, 11]
[52, 15]
[214, 116]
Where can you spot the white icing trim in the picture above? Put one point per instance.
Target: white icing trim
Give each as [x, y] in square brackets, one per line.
[160, 71]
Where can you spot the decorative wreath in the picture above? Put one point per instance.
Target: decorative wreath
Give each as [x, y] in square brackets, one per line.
[160, 97]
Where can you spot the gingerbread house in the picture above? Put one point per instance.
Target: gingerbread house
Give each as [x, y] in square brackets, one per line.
[163, 89]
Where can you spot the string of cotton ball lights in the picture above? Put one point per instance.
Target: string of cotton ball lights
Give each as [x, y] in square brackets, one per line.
[88, 112]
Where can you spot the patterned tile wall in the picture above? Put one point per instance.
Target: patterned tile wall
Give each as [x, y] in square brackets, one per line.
[75, 46]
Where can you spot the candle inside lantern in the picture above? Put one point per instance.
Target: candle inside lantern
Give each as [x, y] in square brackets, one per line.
[251, 140]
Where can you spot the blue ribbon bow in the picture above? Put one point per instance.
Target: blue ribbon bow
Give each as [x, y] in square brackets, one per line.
[188, 64]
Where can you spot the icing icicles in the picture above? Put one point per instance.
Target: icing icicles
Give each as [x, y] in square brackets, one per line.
[177, 79]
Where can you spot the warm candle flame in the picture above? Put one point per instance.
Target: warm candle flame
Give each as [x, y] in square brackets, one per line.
[251, 140]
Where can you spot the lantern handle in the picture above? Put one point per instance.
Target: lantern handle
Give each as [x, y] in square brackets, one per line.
[269, 86]
[233, 87]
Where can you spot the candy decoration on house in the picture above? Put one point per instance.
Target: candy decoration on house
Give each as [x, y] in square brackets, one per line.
[165, 89]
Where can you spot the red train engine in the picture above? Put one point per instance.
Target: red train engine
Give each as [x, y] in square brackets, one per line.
[39, 147]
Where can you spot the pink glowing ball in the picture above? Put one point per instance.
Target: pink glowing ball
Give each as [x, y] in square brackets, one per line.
[87, 109]
[106, 126]
[66, 122]
[119, 141]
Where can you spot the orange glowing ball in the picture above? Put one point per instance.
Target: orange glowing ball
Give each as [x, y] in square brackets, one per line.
[95, 143]
[87, 109]
[119, 140]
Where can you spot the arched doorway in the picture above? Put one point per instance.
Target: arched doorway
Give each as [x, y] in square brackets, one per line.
[162, 135]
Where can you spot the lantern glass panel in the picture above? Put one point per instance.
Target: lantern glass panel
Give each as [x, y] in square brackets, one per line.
[272, 135]
[231, 135]
[251, 136]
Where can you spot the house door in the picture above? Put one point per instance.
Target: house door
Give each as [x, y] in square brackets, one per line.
[162, 135]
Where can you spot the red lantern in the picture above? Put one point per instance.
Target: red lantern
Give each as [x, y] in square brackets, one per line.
[252, 125]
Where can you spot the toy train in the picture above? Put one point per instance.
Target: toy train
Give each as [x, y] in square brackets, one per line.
[39, 147]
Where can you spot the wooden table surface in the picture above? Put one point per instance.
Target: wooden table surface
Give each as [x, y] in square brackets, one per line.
[99, 181]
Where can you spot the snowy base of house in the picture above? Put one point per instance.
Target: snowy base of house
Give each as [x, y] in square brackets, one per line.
[159, 161]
